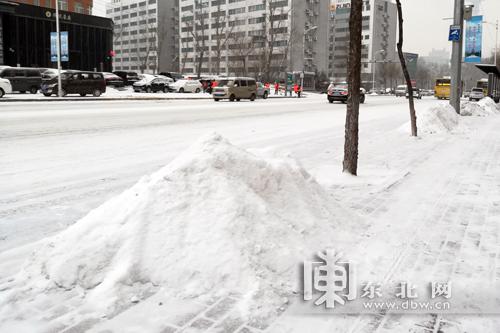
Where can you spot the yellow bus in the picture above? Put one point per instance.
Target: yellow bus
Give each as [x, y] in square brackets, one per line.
[483, 84]
[442, 89]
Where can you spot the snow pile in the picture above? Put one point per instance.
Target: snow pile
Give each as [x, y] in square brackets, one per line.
[438, 119]
[485, 107]
[218, 219]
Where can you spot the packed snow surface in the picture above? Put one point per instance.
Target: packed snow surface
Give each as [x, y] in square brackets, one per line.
[215, 220]
[484, 108]
[435, 120]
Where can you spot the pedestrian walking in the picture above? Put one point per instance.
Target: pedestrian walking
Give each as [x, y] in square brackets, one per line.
[296, 89]
[276, 88]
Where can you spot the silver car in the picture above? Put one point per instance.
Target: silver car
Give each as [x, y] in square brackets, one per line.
[262, 90]
[476, 94]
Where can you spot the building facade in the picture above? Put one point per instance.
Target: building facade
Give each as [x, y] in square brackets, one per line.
[145, 35]
[73, 6]
[27, 42]
[260, 38]
[378, 38]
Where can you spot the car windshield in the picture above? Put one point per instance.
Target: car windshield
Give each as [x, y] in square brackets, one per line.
[477, 90]
[340, 86]
[224, 83]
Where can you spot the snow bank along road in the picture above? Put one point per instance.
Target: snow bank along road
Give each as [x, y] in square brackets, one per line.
[432, 202]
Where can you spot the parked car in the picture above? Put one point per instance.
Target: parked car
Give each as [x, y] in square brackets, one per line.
[339, 92]
[129, 78]
[23, 79]
[153, 84]
[262, 90]
[5, 87]
[113, 80]
[416, 93]
[467, 93]
[476, 94]
[235, 89]
[183, 86]
[400, 90]
[76, 82]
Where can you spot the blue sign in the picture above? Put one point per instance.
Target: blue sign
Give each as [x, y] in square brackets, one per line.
[455, 33]
[64, 46]
[473, 39]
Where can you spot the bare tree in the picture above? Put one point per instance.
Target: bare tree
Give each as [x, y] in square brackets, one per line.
[241, 47]
[223, 32]
[146, 47]
[413, 116]
[197, 27]
[350, 164]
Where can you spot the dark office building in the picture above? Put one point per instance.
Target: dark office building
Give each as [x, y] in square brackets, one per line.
[25, 37]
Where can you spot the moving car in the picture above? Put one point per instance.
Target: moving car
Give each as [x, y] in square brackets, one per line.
[183, 86]
[235, 89]
[417, 93]
[113, 80]
[400, 90]
[152, 84]
[5, 87]
[339, 92]
[476, 94]
[129, 78]
[262, 90]
[23, 79]
[173, 76]
[76, 82]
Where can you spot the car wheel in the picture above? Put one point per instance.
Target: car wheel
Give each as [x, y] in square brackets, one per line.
[83, 94]
[47, 94]
[252, 98]
[96, 93]
[181, 90]
[238, 99]
[33, 90]
[197, 90]
[362, 99]
[216, 99]
[2, 93]
[232, 98]
[148, 90]
[22, 92]
[164, 90]
[265, 95]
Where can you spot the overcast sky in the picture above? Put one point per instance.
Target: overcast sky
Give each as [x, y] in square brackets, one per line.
[425, 28]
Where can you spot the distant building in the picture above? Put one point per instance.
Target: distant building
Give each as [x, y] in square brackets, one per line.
[378, 37]
[73, 6]
[440, 57]
[145, 35]
[25, 37]
[237, 37]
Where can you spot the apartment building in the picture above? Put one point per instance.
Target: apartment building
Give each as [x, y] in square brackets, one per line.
[261, 38]
[145, 35]
[73, 6]
[379, 37]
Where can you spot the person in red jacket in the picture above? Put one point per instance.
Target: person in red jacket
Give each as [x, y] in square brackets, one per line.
[276, 88]
[296, 88]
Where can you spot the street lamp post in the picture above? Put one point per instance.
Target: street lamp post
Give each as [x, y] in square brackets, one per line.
[374, 64]
[456, 56]
[306, 31]
[58, 45]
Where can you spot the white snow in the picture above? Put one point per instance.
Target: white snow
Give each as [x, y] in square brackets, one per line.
[216, 220]
[435, 120]
[484, 108]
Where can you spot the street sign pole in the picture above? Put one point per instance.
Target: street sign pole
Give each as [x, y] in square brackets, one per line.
[58, 44]
[456, 57]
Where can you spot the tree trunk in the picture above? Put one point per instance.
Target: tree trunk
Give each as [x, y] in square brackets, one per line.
[354, 85]
[413, 116]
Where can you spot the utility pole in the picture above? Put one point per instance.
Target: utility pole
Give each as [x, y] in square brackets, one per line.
[456, 57]
[58, 44]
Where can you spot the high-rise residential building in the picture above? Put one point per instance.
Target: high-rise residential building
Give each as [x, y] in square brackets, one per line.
[145, 35]
[378, 38]
[261, 38]
[73, 6]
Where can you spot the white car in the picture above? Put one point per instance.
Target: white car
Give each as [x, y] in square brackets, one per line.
[476, 94]
[186, 86]
[5, 87]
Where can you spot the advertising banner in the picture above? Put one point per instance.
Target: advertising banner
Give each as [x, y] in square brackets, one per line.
[473, 39]
[64, 46]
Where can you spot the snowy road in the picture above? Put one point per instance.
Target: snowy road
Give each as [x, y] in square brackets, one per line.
[60, 160]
